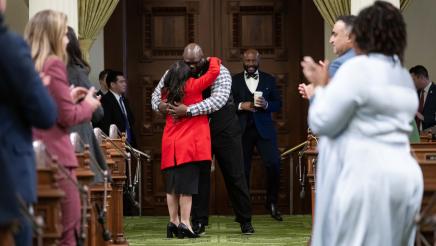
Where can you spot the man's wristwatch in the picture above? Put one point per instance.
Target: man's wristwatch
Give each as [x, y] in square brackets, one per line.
[188, 114]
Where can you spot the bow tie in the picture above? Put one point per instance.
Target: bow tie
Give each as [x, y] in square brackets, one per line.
[254, 76]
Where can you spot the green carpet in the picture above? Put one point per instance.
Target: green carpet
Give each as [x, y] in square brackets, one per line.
[222, 230]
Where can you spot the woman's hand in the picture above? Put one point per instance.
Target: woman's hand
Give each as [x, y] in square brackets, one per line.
[78, 93]
[45, 79]
[317, 74]
[91, 99]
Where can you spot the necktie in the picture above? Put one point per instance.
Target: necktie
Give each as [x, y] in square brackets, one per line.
[126, 121]
[420, 109]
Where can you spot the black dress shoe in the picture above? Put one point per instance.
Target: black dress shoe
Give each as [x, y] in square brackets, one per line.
[199, 228]
[275, 213]
[247, 228]
[185, 232]
[172, 230]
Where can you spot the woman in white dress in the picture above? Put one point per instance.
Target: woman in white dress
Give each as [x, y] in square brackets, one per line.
[371, 195]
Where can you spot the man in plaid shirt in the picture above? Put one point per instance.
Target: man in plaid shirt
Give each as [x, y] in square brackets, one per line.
[226, 141]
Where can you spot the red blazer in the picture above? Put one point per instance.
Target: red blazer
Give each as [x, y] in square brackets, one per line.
[188, 139]
[57, 138]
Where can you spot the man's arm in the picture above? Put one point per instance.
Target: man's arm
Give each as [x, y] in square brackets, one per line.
[219, 95]
[156, 96]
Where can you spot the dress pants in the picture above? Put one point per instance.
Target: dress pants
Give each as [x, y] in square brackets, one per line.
[269, 153]
[226, 146]
[70, 207]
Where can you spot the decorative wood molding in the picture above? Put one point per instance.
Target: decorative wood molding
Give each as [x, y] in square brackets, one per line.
[152, 122]
[281, 118]
[167, 29]
[258, 25]
[147, 194]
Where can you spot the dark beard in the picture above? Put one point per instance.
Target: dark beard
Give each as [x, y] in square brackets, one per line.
[255, 68]
[202, 70]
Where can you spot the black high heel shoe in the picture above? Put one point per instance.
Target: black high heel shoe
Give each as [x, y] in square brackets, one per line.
[185, 232]
[172, 229]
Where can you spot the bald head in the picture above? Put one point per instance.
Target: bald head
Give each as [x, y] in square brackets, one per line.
[193, 51]
[251, 60]
[194, 57]
[251, 52]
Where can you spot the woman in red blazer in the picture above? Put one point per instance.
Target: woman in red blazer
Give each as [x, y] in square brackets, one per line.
[185, 143]
[46, 35]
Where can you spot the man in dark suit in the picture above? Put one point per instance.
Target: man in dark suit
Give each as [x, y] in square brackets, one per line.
[426, 115]
[24, 103]
[116, 107]
[256, 122]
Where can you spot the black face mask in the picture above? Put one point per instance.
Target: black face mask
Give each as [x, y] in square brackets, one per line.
[256, 67]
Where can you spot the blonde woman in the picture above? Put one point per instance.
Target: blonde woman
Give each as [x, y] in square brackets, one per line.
[46, 35]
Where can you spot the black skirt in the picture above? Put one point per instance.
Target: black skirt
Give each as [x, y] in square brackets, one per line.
[183, 179]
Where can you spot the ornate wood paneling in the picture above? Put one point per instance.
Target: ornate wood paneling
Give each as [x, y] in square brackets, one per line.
[167, 26]
[281, 118]
[259, 25]
[152, 123]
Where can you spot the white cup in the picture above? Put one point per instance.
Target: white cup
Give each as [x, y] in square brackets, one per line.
[257, 94]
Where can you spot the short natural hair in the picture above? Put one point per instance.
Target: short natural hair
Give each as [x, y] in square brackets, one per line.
[419, 70]
[45, 32]
[112, 77]
[348, 21]
[380, 28]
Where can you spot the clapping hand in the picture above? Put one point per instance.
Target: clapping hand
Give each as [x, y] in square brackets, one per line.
[78, 93]
[45, 78]
[317, 74]
[306, 91]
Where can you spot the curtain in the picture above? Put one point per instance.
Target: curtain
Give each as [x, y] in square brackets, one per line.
[404, 4]
[332, 9]
[93, 16]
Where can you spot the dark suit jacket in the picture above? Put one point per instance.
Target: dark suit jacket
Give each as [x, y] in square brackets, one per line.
[24, 103]
[429, 110]
[113, 115]
[262, 118]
